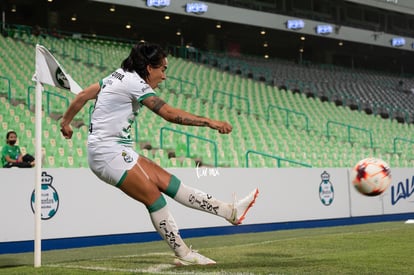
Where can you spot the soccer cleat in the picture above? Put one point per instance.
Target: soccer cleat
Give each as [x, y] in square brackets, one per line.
[193, 258]
[241, 207]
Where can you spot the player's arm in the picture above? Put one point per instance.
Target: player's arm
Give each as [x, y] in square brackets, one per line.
[178, 116]
[75, 106]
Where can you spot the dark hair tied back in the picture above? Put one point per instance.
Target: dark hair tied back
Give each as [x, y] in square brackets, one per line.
[142, 55]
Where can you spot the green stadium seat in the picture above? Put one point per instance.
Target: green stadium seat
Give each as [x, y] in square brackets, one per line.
[146, 153]
[249, 131]
[188, 163]
[51, 162]
[69, 162]
[82, 162]
[174, 162]
[5, 126]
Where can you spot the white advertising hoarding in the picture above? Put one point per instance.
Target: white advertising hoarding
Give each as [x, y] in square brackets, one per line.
[75, 203]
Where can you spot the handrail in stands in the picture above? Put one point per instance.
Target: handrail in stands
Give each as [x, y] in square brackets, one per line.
[188, 136]
[48, 95]
[401, 139]
[288, 111]
[182, 81]
[279, 159]
[349, 127]
[9, 86]
[232, 96]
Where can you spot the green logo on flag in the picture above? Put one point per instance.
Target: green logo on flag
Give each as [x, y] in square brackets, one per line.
[61, 79]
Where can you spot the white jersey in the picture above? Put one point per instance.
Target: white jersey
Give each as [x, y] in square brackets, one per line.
[116, 107]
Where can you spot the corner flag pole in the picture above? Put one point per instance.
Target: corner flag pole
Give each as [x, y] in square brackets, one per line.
[38, 182]
[48, 71]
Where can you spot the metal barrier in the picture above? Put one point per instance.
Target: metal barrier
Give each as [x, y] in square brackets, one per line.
[401, 139]
[188, 136]
[279, 159]
[349, 127]
[48, 95]
[232, 96]
[288, 111]
[182, 82]
[8, 86]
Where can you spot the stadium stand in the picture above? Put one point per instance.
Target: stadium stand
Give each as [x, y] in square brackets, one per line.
[278, 120]
[374, 92]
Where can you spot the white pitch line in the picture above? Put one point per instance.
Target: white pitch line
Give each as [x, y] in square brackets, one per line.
[161, 269]
[95, 268]
[155, 268]
[136, 255]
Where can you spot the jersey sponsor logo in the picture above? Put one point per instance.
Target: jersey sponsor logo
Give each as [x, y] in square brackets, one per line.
[117, 75]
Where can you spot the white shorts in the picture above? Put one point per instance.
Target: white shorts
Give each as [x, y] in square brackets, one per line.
[110, 162]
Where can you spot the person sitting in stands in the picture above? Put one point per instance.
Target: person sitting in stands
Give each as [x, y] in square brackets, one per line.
[12, 155]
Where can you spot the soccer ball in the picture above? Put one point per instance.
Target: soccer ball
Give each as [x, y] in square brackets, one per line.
[371, 176]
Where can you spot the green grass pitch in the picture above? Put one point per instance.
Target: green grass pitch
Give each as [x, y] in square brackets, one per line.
[375, 248]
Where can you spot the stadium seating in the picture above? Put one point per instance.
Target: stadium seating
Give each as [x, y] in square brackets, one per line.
[289, 125]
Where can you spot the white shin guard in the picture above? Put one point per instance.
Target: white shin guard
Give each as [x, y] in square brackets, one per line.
[165, 224]
[200, 200]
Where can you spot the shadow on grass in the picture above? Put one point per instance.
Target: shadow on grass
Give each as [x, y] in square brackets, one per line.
[13, 262]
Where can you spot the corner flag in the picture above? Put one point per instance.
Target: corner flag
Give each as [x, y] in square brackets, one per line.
[48, 71]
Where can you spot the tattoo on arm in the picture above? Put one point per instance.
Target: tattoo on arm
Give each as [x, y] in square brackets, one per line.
[183, 118]
[178, 120]
[157, 103]
[187, 121]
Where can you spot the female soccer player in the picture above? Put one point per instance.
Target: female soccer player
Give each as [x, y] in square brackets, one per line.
[111, 157]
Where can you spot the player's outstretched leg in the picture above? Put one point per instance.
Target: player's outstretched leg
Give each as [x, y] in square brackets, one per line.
[165, 224]
[233, 212]
[193, 258]
[241, 207]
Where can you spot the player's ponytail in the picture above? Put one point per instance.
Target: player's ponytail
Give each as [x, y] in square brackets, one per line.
[142, 55]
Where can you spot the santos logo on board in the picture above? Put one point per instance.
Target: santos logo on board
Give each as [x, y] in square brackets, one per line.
[326, 190]
[49, 200]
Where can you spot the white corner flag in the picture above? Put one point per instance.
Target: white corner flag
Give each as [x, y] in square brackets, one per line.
[48, 71]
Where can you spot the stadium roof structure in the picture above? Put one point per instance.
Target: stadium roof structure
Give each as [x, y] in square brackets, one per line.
[362, 31]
